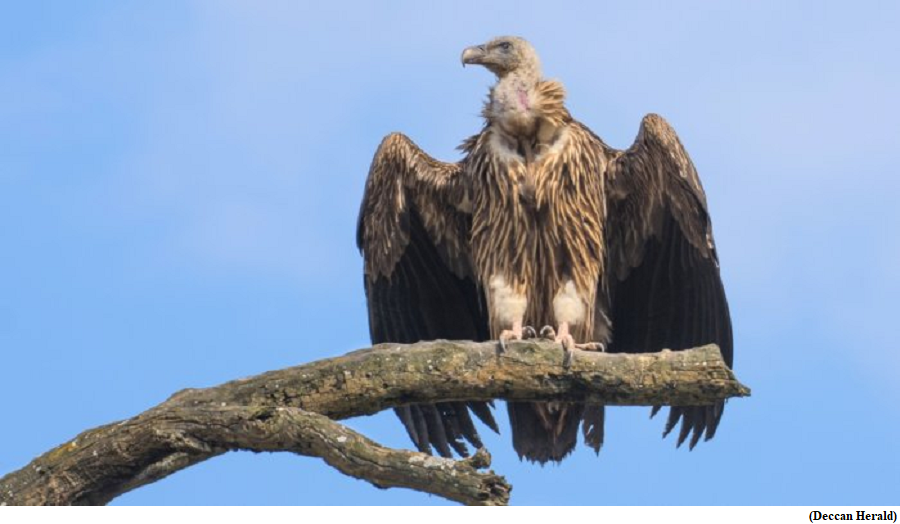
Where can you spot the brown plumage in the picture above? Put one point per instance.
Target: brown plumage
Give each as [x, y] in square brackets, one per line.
[540, 223]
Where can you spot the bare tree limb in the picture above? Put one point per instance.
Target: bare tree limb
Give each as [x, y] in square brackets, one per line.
[290, 410]
[166, 439]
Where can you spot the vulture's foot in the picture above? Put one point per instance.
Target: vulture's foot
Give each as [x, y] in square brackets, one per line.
[568, 342]
[518, 332]
[570, 346]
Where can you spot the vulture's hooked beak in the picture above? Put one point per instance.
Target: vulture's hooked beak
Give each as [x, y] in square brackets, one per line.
[474, 55]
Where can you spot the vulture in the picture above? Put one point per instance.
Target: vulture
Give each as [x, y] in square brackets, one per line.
[540, 225]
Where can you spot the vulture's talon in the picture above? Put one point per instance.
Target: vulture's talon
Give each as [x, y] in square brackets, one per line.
[548, 333]
[569, 357]
[528, 332]
[510, 334]
[569, 346]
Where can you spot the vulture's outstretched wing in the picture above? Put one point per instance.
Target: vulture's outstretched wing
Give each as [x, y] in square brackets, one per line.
[418, 276]
[663, 272]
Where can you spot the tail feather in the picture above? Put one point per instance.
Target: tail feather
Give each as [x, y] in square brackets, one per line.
[545, 431]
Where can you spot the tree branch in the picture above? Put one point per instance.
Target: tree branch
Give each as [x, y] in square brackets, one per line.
[290, 410]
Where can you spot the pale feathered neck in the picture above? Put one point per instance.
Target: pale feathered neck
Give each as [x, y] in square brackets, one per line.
[548, 103]
[546, 98]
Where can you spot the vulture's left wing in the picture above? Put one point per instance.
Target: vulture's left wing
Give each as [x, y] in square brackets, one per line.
[414, 240]
[663, 271]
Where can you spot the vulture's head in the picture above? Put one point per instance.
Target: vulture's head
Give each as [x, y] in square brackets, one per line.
[504, 55]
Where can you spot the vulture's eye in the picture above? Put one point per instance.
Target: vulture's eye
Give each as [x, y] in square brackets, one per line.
[505, 46]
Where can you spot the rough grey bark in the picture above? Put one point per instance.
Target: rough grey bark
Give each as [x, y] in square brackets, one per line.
[291, 410]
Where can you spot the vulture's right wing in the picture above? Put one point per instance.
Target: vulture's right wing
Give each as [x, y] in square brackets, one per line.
[418, 278]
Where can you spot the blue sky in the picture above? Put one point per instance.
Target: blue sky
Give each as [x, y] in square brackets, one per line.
[179, 183]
